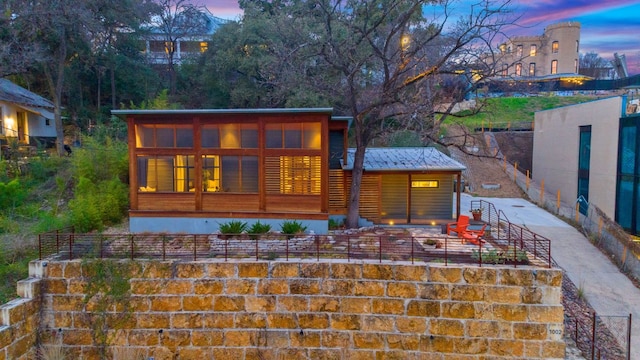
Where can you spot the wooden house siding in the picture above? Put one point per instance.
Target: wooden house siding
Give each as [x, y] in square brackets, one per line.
[222, 164]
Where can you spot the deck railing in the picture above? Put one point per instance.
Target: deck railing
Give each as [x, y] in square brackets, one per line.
[400, 246]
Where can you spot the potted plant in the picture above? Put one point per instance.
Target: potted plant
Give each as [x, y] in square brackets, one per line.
[477, 214]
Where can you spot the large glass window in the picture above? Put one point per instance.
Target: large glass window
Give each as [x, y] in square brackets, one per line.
[230, 136]
[164, 136]
[554, 66]
[166, 173]
[293, 175]
[211, 173]
[533, 50]
[293, 136]
[239, 174]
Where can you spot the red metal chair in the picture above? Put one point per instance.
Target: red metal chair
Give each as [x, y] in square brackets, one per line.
[459, 226]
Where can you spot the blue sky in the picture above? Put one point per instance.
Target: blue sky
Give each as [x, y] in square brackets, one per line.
[608, 26]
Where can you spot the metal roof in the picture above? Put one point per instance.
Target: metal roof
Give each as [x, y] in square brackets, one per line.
[405, 159]
[16, 94]
[223, 111]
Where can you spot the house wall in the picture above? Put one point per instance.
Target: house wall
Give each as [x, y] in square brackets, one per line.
[36, 124]
[565, 33]
[216, 310]
[555, 150]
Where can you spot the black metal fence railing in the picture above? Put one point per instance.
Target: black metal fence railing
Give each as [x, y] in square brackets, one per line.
[507, 234]
[379, 247]
[601, 337]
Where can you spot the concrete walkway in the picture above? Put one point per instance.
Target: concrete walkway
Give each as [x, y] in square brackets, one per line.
[608, 290]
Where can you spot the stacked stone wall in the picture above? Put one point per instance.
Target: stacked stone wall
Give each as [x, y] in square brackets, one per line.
[20, 319]
[309, 310]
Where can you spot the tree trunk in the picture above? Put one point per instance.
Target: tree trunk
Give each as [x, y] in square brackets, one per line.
[353, 215]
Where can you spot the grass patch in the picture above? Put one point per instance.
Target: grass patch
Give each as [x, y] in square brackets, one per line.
[500, 111]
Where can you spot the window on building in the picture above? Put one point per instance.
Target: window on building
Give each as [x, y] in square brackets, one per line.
[519, 51]
[532, 69]
[503, 48]
[47, 122]
[584, 160]
[169, 47]
[533, 50]
[204, 46]
[555, 46]
[575, 65]
[211, 173]
[166, 173]
[230, 136]
[554, 66]
[239, 174]
[505, 69]
[577, 45]
[299, 175]
[293, 136]
[519, 69]
[164, 136]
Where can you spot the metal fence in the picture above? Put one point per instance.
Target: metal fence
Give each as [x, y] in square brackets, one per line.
[508, 234]
[601, 337]
[400, 246]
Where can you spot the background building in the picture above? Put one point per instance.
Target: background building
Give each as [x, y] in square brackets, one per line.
[554, 52]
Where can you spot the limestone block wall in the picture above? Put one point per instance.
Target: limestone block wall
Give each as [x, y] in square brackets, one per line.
[20, 318]
[310, 310]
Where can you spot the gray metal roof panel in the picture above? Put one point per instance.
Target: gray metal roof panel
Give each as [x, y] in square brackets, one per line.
[405, 159]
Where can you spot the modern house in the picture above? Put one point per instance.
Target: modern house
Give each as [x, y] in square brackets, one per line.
[25, 116]
[590, 151]
[192, 170]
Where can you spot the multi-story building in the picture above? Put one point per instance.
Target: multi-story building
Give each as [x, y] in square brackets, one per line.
[158, 44]
[556, 51]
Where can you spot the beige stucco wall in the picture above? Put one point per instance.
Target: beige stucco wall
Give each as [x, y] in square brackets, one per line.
[555, 150]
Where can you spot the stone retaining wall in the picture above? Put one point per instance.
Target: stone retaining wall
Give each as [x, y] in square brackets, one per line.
[309, 310]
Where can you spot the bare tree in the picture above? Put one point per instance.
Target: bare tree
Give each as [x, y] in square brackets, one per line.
[591, 64]
[389, 64]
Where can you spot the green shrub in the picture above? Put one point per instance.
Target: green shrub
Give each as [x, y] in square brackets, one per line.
[258, 228]
[12, 194]
[95, 206]
[335, 224]
[292, 227]
[233, 227]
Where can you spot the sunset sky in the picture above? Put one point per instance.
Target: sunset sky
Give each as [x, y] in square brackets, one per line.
[607, 26]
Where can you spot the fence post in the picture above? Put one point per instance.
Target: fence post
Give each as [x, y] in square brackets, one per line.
[70, 247]
[380, 248]
[527, 181]
[348, 248]
[593, 337]
[256, 248]
[317, 248]
[40, 246]
[412, 240]
[515, 173]
[629, 338]
[542, 192]
[164, 248]
[287, 247]
[558, 202]
[131, 247]
[195, 247]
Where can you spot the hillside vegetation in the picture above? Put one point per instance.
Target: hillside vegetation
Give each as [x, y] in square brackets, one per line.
[500, 111]
[87, 191]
